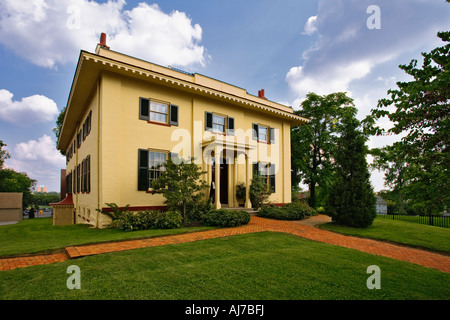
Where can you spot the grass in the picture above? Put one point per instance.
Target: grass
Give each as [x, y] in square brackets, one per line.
[266, 266]
[36, 235]
[412, 234]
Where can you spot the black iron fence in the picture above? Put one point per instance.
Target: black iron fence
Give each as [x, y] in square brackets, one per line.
[437, 221]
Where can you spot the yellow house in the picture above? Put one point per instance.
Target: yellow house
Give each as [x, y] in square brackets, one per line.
[125, 117]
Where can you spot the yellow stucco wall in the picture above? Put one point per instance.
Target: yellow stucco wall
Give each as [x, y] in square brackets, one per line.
[117, 134]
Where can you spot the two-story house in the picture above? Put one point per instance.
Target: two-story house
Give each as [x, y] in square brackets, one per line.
[125, 117]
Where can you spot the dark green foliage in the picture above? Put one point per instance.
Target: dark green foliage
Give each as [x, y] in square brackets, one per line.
[313, 144]
[197, 209]
[351, 200]
[116, 212]
[292, 211]
[240, 191]
[258, 191]
[149, 219]
[417, 165]
[12, 181]
[225, 218]
[143, 220]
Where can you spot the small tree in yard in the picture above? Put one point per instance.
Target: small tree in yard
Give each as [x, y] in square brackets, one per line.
[351, 200]
[181, 185]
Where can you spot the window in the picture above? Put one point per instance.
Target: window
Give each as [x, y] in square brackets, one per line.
[266, 170]
[150, 166]
[263, 133]
[219, 123]
[158, 111]
[156, 162]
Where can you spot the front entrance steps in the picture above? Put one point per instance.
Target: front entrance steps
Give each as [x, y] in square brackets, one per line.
[252, 211]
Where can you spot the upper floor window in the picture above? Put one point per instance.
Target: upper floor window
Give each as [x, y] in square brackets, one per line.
[263, 133]
[158, 111]
[219, 123]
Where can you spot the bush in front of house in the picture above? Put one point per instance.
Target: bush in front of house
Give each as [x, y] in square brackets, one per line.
[225, 218]
[291, 211]
[149, 219]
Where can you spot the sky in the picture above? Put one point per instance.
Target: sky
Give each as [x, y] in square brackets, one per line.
[288, 48]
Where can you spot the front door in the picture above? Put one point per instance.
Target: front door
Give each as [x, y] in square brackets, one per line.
[223, 182]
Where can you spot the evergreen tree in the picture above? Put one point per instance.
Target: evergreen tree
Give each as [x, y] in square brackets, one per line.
[351, 200]
[312, 144]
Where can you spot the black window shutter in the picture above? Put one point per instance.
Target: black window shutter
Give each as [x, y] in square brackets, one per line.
[255, 169]
[255, 131]
[231, 126]
[272, 178]
[88, 174]
[173, 115]
[272, 135]
[208, 121]
[143, 170]
[173, 155]
[89, 121]
[144, 109]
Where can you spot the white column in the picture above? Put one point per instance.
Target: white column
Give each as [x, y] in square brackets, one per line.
[217, 179]
[248, 171]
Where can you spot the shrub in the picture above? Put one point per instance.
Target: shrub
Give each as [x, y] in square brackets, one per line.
[271, 212]
[149, 219]
[302, 207]
[291, 211]
[225, 218]
[258, 191]
[196, 210]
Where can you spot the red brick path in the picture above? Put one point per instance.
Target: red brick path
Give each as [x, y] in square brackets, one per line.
[304, 228]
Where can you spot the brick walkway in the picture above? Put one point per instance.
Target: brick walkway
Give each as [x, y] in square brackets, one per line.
[305, 228]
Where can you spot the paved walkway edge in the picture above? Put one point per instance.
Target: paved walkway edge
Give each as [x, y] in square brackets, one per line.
[305, 228]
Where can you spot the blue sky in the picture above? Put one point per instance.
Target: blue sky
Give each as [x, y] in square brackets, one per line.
[288, 48]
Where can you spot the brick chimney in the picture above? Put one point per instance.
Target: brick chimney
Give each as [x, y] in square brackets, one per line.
[103, 40]
[261, 94]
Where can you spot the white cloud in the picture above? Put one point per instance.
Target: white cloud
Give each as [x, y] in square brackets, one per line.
[51, 32]
[43, 149]
[39, 159]
[346, 50]
[28, 111]
[310, 26]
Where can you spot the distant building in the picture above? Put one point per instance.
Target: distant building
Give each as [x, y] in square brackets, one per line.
[381, 205]
[41, 189]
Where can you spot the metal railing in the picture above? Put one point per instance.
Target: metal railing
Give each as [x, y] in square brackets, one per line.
[437, 221]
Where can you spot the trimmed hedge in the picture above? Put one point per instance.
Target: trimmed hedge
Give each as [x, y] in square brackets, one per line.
[149, 219]
[225, 218]
[291, 211]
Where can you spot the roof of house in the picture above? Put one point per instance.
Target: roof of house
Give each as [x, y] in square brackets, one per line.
[90, 66]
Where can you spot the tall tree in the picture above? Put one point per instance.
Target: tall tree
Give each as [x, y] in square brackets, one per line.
[422, 109]
[57, 130]
[312, 144]
[351, 200]
[12, 181]
[4, 154]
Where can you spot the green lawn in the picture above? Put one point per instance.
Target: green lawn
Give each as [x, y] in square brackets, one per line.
[268, 266]
[35, 235]
[413, 234]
